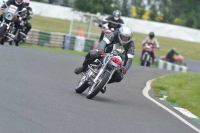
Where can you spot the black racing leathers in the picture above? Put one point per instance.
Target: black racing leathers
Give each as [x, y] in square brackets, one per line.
[28, 16]
[108, 43]
[112, 24]
[170, 56]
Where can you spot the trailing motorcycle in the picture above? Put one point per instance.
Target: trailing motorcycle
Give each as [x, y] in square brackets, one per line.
[146, 59]
[7, 26]
[99, 73]
[178, 59]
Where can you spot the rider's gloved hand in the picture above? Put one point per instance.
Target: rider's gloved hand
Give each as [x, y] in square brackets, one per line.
[124, 70]
[100, 52]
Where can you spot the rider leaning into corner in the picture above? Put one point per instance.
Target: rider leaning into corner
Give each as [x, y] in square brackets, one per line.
[119, 39]
[170, 55]
[17, 3]
[152, 41]
[114, 22]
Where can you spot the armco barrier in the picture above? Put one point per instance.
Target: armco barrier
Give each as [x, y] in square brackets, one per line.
[60, 40]
[170, 66]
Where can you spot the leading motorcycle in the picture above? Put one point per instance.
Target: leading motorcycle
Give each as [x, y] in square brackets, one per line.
[99, 73]
[7, 27]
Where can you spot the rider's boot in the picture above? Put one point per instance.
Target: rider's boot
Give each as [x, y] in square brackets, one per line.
[88, 60]
[80, 70]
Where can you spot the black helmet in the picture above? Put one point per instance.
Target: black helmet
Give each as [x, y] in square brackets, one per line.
[151, 35]
[116, 14]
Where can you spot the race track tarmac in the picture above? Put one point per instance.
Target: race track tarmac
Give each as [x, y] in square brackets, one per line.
[37, 96]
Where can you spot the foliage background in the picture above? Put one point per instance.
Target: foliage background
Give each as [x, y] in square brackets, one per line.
[183, 13]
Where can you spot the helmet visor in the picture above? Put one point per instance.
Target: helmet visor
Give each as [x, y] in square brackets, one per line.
[124, 38]
[116, 16]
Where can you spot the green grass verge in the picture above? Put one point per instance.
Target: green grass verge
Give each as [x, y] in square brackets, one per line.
[71, 52]
[189, 50]
[182, 89]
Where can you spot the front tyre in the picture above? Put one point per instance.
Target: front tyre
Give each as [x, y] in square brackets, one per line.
[95, 89]
[82, 85]
[144, 60]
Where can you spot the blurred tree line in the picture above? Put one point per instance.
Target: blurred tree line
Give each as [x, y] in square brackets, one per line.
[183, 13]
[178, 12]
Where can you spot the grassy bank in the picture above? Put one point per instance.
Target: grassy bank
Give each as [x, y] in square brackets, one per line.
[182, 89]
[189, 50]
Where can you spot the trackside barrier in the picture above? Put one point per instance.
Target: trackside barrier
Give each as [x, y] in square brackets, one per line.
[170, 66]
[60, 40]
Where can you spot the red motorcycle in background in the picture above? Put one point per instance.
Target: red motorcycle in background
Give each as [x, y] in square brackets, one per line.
[146, 58]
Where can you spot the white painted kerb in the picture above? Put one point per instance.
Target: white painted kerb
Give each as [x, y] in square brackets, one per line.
[146, 94]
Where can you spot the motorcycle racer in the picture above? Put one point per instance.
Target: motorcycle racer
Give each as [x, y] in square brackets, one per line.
[114, 22]
[171, 54]
[152, 41]
[122, 38]
[20, 5]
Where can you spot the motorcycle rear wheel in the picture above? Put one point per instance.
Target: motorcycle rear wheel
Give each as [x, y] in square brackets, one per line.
[97, 88]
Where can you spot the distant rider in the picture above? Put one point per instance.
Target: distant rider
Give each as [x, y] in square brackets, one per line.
[170, 55]
[114, 22]
[122, 39]
[152, 41]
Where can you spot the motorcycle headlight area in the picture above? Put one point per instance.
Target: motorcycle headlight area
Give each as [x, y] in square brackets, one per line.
[116, 61]
[9, 16]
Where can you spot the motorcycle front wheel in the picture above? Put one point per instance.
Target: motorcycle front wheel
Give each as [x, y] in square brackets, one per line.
[96, 87]
[81, 86]
[145, 60]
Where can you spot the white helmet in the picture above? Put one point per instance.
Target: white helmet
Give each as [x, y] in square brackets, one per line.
[18, 2]
[125, 34]
[116, 14]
